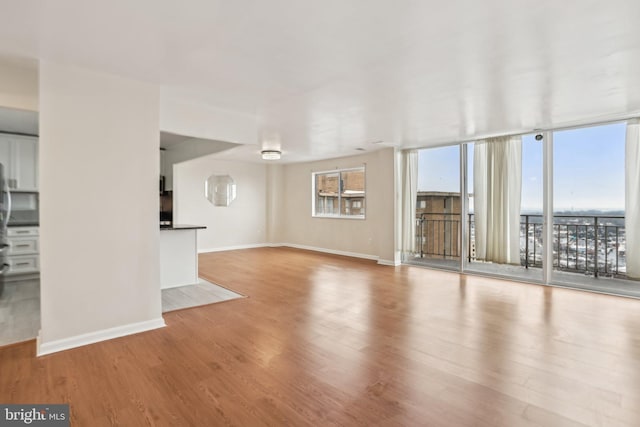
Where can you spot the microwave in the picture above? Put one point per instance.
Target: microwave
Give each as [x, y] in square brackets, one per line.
[24, 209]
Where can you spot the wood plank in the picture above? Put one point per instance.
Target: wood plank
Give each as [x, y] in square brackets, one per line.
[330, 340]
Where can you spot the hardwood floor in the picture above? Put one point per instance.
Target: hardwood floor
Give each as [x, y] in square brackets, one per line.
[329, 340]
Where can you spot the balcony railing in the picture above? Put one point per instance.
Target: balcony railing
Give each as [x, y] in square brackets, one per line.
[582, 244]
[438, 235]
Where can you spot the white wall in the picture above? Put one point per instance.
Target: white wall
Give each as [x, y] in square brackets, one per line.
[242, 224]
[99, 167]
[19, 84]
[373, 237]
[275, 203]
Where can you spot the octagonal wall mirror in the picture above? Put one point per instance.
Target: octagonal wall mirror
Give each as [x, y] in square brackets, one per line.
[220, 190]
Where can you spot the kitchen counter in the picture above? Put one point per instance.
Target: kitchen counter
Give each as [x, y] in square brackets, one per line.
[182, 227]
[179, 255]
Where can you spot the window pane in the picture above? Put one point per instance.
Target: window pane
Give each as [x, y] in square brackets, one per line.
[327, 186]
[438, 220]
[352, 194]
[340, 193]
[588, 205]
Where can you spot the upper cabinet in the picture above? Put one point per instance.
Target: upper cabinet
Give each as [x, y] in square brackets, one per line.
[19, 156]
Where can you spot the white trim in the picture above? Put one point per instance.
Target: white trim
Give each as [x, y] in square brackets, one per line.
[97, 336]
[330, 251]
[235, 248]
[354, 168]
[341, 216]
[389, 262]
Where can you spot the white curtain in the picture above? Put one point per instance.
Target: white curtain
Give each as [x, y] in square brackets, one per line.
[497, 187]
[632, 198]
[409, 196]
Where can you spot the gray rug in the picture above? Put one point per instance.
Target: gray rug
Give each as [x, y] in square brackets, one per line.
[195, 295]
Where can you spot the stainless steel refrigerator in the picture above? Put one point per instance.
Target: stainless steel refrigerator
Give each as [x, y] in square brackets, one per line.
[5, 212]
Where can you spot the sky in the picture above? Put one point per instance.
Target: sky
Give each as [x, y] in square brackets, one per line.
[588, 169]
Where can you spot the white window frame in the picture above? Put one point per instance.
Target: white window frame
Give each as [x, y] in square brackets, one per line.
[339, 214]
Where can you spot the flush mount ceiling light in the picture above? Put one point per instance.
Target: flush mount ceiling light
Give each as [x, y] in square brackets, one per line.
[271, 154]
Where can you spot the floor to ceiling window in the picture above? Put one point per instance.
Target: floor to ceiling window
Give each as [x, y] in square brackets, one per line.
[589, 248]
[498, 227]
[438, 209]
[504, 189]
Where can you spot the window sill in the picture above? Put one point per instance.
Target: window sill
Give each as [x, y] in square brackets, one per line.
[340, 216]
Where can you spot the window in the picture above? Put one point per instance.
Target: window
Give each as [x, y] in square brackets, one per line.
[339, 193]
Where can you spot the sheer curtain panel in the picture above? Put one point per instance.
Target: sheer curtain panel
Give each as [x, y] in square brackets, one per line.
[409, 197]
[497, 187]
[632, 198]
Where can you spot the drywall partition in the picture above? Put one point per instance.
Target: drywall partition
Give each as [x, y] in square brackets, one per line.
[19, 84]
[99, 167]
[275, 200]
[372, 237]
[239, 225]
[384, 180]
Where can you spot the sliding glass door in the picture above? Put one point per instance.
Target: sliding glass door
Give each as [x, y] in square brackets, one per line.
[589, 248]
[438, 208]
[504, 221]
[498, 226]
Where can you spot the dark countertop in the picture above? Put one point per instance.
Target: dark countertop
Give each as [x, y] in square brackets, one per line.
[23, 224]
[182, 227]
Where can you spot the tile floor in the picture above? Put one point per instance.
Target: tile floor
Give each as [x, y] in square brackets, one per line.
[19, 311]
[194, 295]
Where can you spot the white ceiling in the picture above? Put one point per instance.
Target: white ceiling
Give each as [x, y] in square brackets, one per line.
[326, 77]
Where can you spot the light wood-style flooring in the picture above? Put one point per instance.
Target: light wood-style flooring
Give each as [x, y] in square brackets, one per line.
[325, 340]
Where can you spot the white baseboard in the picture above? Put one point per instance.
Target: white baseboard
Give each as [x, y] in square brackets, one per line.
[329, 251]
[389, 262]
[234, 248]
[97, 336]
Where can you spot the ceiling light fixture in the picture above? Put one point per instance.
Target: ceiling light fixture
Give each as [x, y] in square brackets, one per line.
[271, 154]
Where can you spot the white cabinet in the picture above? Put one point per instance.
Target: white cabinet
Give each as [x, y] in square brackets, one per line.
[19, 155]
[23, 264]
[23, 252]
[22, 246]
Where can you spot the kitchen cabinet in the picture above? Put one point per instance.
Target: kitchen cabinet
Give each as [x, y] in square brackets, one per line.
[19, 155]
[23, 264]
[23, 254]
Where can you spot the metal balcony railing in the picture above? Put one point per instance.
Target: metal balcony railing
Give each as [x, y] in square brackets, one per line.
[582, 244]
[438, 235]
